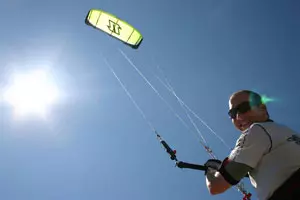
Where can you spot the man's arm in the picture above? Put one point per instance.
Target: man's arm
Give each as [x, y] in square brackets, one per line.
[230, 173]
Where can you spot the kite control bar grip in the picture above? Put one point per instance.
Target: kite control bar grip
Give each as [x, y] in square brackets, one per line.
[168, 149]
[181, 164]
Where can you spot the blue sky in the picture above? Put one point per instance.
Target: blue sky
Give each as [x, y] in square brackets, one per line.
[96, 145]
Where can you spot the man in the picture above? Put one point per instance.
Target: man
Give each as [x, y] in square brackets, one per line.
[267, 151]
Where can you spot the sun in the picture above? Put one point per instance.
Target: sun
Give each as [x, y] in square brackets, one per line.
[31, 93]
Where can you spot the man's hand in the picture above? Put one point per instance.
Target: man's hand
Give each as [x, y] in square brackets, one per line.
[214, 180]
[213, 164]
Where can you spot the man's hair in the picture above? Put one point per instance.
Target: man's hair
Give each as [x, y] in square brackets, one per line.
[254, 97]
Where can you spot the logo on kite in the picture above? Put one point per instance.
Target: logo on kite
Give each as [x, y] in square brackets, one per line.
[114, 27]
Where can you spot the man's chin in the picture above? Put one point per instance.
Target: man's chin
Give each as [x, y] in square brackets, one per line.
[245, 127]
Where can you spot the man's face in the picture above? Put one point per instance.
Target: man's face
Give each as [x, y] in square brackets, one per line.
[243, 114]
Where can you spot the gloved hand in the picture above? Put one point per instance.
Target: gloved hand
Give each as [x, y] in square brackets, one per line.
[212, 164]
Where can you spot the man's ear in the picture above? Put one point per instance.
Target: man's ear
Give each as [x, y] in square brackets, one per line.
[263, 106]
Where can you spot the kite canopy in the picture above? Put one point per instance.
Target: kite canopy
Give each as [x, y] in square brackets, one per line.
[114, 27]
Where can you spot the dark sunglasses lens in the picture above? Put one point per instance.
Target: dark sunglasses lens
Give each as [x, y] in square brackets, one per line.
[232, 113]
[244, 107]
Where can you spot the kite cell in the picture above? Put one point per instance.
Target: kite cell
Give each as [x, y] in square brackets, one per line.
[114, 27]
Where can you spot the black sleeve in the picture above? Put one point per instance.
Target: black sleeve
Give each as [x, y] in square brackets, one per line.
[233, 172]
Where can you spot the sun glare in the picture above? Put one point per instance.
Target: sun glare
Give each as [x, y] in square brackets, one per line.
[31, 93]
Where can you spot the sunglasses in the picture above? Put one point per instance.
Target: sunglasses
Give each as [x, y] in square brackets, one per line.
[240, 109]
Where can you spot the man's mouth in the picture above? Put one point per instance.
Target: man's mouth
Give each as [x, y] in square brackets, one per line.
[244, 125]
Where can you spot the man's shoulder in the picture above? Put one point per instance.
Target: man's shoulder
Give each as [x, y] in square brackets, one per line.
[269, 127]
[264, 126]
[259, 131]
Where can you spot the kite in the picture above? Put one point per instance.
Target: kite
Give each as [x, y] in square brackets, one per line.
[114, 27]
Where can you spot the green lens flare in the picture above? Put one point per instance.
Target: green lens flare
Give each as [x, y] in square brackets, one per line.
[266, 99]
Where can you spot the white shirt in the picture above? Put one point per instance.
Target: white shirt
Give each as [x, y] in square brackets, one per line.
[273, 151]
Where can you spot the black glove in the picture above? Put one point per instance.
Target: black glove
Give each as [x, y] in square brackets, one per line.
[213, 164]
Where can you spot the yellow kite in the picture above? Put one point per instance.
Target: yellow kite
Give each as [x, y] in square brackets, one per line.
[114, 26]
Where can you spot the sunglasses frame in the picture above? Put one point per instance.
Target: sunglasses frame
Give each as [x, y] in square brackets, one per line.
[241, 108]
